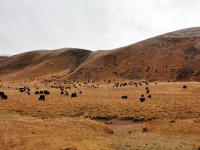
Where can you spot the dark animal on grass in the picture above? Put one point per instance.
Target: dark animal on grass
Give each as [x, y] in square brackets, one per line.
[3, 96]
[124, 97]
[184, 87]
[22, 89]
[73, 95]
[46, 92]
[149, 96]
[37, 92]
[42, 98]
[142, 98]
[66, 94]
[41, 92]
[145, 129]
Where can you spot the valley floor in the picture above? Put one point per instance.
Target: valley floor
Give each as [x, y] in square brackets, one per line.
[98, 119]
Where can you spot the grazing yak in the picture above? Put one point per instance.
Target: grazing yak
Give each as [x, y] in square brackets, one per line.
[66, 94]
[42, 98]
[41, 92]
[73, 95]
[46, 92]
[37, 92]
[184, 87]
[142, 98]
[3, 96]
[149, 96]
[25, 90]
[124, 97]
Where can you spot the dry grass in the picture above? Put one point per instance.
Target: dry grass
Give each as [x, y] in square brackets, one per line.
[20, 132]
[171, 118]
[168, 101]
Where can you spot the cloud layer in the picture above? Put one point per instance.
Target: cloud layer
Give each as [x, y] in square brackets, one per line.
[91, 24]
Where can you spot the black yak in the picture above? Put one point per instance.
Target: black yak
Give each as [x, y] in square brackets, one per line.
[42, 98]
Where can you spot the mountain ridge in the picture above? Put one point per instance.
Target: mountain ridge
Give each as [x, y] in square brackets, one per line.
[172, 56]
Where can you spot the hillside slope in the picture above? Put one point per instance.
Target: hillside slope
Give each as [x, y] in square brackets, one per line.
[41, 63]
[173, 56]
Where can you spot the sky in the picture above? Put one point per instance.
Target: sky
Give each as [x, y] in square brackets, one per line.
[89, 24]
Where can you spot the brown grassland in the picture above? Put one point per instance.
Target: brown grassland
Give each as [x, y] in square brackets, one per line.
[98, 119]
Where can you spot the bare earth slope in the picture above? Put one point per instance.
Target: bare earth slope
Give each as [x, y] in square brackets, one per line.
[173, 56]
[170, 57]
[41, 63]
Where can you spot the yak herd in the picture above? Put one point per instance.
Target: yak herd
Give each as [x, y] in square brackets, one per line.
[135, 84]
[64, 90]
[43, 93]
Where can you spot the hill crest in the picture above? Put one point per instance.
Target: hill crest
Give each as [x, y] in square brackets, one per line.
[174, 56]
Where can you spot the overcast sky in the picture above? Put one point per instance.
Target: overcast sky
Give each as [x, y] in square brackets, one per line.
[91, 24]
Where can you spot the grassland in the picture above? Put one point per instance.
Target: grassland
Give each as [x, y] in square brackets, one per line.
[98, 119]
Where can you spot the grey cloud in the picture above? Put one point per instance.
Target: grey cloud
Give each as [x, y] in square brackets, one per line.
[90, 24]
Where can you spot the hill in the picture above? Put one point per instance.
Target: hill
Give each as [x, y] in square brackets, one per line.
[170, 57]
[42, 63]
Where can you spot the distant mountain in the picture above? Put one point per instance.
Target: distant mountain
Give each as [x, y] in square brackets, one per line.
[174, 56]
[42, 63]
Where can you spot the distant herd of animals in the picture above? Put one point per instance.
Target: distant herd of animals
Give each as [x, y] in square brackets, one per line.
[43, 93]
[74, 85]
[144, 70]
[136, 84]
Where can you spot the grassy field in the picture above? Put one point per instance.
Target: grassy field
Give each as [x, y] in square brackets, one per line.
[98, 119]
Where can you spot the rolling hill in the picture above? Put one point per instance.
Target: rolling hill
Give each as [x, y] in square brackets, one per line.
[173, 56]
[41, 63]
